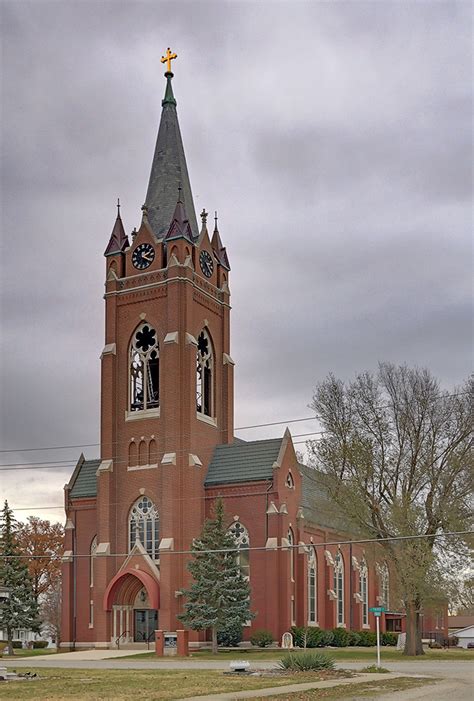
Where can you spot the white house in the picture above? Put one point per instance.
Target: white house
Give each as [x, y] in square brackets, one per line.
[465, 635]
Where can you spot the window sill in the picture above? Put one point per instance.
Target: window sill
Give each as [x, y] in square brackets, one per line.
[206, 419]
[91, 625]
[341, 625]
[313, 624]
[366, 626]
[145, 414]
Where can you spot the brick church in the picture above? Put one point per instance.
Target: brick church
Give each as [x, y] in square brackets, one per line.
[168, 449]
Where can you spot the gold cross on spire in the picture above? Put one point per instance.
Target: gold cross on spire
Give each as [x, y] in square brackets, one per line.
[167, 58]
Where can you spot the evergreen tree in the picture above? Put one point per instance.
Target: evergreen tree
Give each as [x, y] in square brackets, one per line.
[219, 597]
[20, 610]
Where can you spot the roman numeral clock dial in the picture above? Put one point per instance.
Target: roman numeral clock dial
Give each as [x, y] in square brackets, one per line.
[143, 256]
[206, 263]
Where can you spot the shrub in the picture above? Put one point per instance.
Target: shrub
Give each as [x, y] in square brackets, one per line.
[315, 637]
[367, 638]
[327, 639]
[373, 669]
[340, 637]
[306, 660]
[388, 639]
[17, 644]
[39, 644]
[451, 642]
[298, 636]
[354, 638]
[261, 638]
[435, 646]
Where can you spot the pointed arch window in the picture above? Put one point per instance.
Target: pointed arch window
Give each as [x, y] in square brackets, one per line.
[144, 369]
[364, 591]
[93, 550]
[204, 375]
[312, 587]
[384, 585]
[291, 542]
[242, 541]
[143, 525]
[339, 588]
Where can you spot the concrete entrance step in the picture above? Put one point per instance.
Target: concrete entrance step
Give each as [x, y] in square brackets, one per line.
[137, 646]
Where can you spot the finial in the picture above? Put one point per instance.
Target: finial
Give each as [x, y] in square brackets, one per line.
[215, 221]
[167, 58]
[118, 206]
[204, 217]
[134, 232]
[145, 211]
[179, 192]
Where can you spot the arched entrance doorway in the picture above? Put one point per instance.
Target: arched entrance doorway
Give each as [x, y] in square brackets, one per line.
[132, 597]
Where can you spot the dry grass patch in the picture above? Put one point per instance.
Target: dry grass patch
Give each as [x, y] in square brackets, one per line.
[155, 685]
[352, 692]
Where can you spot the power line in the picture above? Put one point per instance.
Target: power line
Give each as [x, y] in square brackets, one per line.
[364, 541]
[238, 428]
[66, 463]
[92, 445]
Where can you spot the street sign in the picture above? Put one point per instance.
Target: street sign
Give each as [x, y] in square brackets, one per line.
[377, 611]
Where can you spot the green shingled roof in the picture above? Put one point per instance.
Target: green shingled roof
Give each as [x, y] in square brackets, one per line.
[243, 462]
[84, 482]
[318, 508]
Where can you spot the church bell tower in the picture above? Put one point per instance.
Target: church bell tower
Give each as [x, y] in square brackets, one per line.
[166, 376]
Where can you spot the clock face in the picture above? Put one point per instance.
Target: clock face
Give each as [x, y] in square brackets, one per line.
[206, 263]
[143, 256]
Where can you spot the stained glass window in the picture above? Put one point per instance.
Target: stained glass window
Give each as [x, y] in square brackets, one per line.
[291, 541]
[364, 591]
[312, 586]
[384, 585]
[93, 549]
[144, 526]
[242, 541]
[339, 588]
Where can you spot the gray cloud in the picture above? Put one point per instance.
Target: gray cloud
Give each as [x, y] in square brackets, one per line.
[334, 138]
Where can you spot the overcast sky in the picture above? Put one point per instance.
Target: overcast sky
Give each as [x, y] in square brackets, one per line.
[335, 139]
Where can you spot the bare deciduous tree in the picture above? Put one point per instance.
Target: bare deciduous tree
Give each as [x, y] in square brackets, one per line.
[396, 455]
[50, 611]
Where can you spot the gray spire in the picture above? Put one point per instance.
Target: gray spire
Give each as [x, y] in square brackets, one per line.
[168, 171]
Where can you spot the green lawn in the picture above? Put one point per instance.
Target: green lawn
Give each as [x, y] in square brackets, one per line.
[159, 685]
[32, 653]
[345, 654]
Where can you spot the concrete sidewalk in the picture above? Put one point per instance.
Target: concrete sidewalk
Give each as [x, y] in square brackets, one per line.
[92, 655]
[294, 688]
